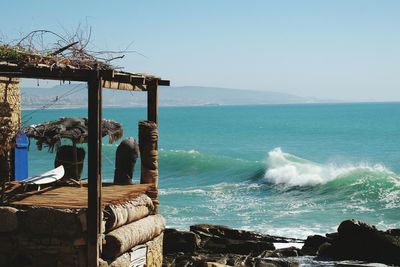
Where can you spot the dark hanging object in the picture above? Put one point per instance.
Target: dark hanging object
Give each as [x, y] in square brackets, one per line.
[125, 159]
[75, 129]
[71, 157]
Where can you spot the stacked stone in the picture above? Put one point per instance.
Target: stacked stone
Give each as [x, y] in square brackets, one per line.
[43, 236]
[10, 119]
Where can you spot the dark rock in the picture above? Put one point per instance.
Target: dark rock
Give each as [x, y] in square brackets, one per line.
[242, 247]
[214, 264]
[198, 259]
[215, 259]
[354, 227]
[393, 232]
[359, 241]
[180, 241]
[275, 263]
[224, 231]
[282, 253]
[325, 249]
[222, 239]
[331, 236]
[312, 243]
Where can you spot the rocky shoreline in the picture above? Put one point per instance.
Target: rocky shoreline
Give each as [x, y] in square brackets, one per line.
[216, 245]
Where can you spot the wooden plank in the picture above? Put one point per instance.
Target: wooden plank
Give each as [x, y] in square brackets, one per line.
[122, 77]
[77, 198]
[123, 86]
[94, 169]
[152, 101]
[163, 83]
[111, 79]
[45, 72]
[138, 80]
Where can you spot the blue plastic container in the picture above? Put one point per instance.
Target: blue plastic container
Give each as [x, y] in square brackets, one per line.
[21, 156]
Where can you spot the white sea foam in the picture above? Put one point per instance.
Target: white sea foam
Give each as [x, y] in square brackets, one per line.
[284, 168]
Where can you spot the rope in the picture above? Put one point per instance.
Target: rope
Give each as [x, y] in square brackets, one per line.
[70, 92]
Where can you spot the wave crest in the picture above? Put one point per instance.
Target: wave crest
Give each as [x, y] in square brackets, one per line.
[284, 168]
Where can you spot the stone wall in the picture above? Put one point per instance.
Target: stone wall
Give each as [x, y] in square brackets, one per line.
[34, 237]
[44, 236]
[10, 120]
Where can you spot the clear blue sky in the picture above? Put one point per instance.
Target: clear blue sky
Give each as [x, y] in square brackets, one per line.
[345, 49]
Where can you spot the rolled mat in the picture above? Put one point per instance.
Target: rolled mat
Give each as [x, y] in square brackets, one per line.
[8, 219]
[120, 214]
[128, 236]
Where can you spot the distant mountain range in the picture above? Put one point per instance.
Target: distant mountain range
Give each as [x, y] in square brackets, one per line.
[64, 96]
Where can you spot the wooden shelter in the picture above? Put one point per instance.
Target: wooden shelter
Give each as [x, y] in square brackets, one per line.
[98, 78]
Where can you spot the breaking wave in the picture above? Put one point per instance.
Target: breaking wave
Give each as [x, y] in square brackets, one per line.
[285, 168]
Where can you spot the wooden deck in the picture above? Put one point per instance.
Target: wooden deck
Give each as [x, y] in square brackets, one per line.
[77, 197]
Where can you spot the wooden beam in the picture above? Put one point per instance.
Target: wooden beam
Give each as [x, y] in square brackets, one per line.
[123, 86]
[122, 77]
[152, 101]
[48, 73]
[94, 169]
[163, 83]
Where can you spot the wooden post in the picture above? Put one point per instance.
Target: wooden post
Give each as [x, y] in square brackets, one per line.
[148, 143]
[152, 101]
[75, 159]
[94, 170]
[148, 146]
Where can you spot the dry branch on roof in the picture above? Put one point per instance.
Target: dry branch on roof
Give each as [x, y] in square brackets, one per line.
[63, 52]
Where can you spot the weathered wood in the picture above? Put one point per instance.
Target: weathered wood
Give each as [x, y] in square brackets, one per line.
[76, 197]
[123, 86]
[45, 72]
[94, 170]
[152, 101]
[148, 140]
[164, 83]
[111, 78]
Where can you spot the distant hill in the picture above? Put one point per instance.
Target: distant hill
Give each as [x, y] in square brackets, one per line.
[64, 96]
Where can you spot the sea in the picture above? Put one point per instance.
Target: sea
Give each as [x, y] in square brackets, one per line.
[287, 170]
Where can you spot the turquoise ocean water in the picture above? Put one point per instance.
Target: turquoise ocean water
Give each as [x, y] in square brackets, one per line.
[289, 170]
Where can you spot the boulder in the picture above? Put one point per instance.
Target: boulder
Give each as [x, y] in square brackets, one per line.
[393, 232]
[283, 253]
[359, 241]
[241, 247]
[312, 244]
[214, 264]
[222, 239]
[227, 232]
[180, 241]
[355, 228]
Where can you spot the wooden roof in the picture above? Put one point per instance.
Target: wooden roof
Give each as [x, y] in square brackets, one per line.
[77, 197]
[112, 79]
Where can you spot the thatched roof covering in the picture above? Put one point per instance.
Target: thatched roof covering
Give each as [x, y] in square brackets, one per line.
[70, 63]
[76, 129]
[13, 55]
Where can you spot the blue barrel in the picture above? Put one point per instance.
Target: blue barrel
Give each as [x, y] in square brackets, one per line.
[21, 156]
